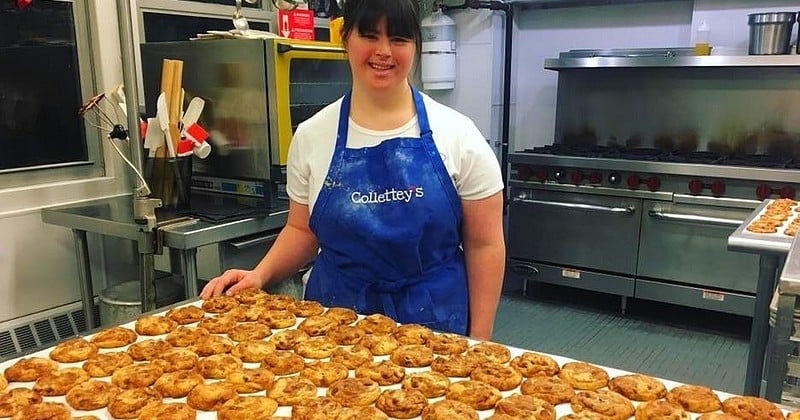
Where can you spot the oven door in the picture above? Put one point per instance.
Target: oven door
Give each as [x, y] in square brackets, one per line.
[575, 230]
[688, 243]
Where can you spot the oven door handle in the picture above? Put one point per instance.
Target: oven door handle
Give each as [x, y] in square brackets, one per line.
[253, 241]
[284, 48]
[658, 214]
[524, 269]
[579, 206]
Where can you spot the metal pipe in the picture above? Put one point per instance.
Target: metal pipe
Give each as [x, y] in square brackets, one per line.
[131, 89]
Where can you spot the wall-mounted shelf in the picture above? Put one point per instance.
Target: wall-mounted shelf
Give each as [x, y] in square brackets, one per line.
[555, 4]
[653, 61]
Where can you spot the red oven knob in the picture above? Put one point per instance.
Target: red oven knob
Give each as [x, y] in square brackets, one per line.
[653, 183]
[541, 174]
[633, 181]
[695, 186]
[576, 176]
[718, 188]
[524, 172]
[763, 191]
[595, 178]
[787, 192]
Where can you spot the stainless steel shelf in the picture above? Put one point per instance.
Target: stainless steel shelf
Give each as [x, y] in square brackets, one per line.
[555, 4]
[674, 61]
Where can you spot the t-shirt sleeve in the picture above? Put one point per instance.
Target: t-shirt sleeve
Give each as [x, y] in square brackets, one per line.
[298, 171]
[479, 172]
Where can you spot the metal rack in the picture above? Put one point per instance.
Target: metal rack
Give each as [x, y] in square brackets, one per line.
[782, 370]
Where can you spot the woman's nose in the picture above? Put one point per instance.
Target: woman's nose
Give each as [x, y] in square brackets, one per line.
[384, 46]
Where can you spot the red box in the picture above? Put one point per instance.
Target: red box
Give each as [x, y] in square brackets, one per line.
[297, 24]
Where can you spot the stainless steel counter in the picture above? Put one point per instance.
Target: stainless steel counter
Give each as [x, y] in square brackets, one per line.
[114, 217]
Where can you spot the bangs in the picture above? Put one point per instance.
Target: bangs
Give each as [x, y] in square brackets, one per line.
[401, 17]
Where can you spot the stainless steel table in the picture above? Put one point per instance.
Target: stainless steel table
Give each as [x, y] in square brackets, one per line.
[771, 250]
[781, 339]
[114, 217]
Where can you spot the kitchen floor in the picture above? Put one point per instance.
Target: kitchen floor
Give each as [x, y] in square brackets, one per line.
[673, 342]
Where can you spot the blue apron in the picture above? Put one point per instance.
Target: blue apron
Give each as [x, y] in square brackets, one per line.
[388, 222]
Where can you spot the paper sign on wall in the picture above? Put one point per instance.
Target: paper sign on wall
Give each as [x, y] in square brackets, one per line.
[296, 23]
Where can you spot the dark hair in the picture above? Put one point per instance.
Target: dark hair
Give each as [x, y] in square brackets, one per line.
[402, 18]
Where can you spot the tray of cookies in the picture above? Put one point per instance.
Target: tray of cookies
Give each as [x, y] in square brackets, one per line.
[256, 355]
[777, 217]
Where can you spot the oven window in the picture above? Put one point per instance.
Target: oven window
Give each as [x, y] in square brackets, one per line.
[160, 27]
[315, 84]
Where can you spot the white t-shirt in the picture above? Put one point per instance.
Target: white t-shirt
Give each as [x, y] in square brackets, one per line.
[469, 159]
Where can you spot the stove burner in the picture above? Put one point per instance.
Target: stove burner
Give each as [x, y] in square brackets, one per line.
[695, 157]
[759, 161]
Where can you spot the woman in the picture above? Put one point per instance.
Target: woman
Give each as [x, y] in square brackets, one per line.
[398, 197]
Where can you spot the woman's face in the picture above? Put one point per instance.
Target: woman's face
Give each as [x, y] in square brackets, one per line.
[377, 60]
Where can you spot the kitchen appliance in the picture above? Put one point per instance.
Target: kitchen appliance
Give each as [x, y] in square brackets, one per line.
[256, 92]
[770, 33]
[625, 203]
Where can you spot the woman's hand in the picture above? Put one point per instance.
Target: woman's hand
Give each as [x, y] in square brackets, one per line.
[231, 281]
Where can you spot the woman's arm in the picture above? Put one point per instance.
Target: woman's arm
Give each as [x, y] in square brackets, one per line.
[485, 253]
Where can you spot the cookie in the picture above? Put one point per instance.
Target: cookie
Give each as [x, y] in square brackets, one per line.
[362, 413]
[211, 344]
[316, 348]
[551, 389]
[638, 387]
[320, 408]
[317, 325]
[412, 334]
[59, 381]
[249, 331]
[525, 407]
[218, 324]
[401, 403]
[459, 365]
[43, 410]
[211, 396]
[186, 314]
[694, 398]
[487, 351]
[113, 337]
[346, 335]
[73, 350]
[218, 366]
[448, 410]
[154, 325]
[246, 313]
[352, 357]
[3, 382]
[278, 318]
[723, 416]
[104, 364]
[583, 376]
[379, 345]
[219, 304]
[283, 362]
[660, 410]
[178, 384]
[148, 349]
[531, 364]
[291, 390]
[447, 343]
[252, 380]
[324, 374]
[29, 369]
[497, 375]
[477, 395]
[129, 403]
[430, 384]
[249, 296]
[354, 392]
[251, 407]
[16, 399]
[91, 395]
[170, 411]
[377, 324]
[751, 408]
[185, 336]
[306, 308]
[412, 355]
[253, 351]
[179, 359]
[137, 376]
[384, 372]
[604, 402]
[276, 301]
[343, 316]
[287, 339]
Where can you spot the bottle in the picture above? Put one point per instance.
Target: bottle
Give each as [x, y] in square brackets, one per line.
[335, 21]
[701, 45]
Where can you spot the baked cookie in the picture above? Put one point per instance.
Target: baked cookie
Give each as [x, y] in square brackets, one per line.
[583, 376]
[362, 413]
[278, 318]
[246, 313]
[497, 375]
[276, 301]
[377, 324]
[253, 408]
[316, 348]
[185, 336]
[16, 399]
[638, 387]
[694, 398]
[352, 357]
[249, 331]
[292, 390]
[525, 407]
[218, 324]
[154, 325]
[249, 295]
[287, 339]
[759, 227]
[458, 365]
[3, 382]
[248, 381]
[282, 362]
[211, 344]
[137, 376]
[343, 316]
[129, 404]
[412, 334]
[73, 350]
[104, 364]
[660, 410]
[430, 384]
[346, 335]
[794, 415]
[317, 325]
[531, 364]
[447, 343]
[751, 408]
[59, 381]
[219, 304]
[551, 389]
[170, 411]
[477, 395]
[253, 351]
[91, 395]
[306, 308]
[323, 374]
[401, 403]
[487, 351]
[43, 411]
[218, 366]
[448, 410]
[211, 396]
[186, 314]
[179, 359]
[605, 402]
[724, 416]
[355, 392]
[113, 337]
[384, 372]
[29, 369]
[178, 384]
[379, 345]
[412, 355]
[148, 349]
[319, 408]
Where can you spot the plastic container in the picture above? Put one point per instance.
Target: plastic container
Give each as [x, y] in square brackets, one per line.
[701, 41]
[438, 52]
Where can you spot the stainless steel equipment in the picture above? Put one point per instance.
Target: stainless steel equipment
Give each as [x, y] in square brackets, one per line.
[770, 33]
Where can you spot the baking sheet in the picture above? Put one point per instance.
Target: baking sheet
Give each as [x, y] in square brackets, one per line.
[793, 215]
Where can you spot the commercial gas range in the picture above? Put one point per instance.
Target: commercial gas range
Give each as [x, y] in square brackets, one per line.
[640, 222]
